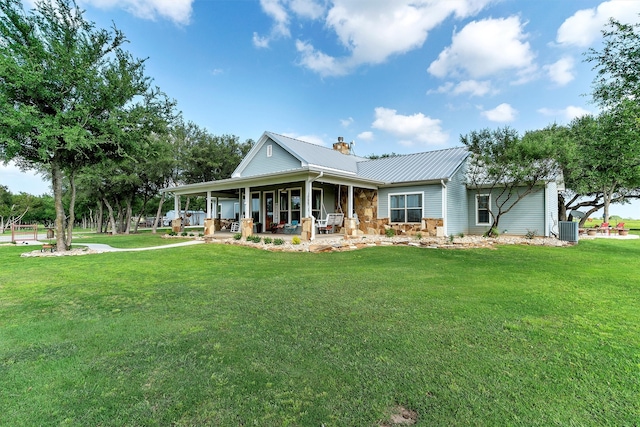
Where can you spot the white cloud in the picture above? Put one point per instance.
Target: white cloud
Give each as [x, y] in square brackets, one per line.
[312, 139]
[562, 71]
[471, 87]
[366, 136]
[23, 181]
[566, 114]
[178, 11]
[411, 129]
[278, 10]
[502, 113]
[370, 31]
[583, 28]
[346, 122]
[319, 62]
[484, 48]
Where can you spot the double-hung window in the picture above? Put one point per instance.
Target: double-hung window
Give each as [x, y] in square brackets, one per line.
[483, 216]
[405, 207]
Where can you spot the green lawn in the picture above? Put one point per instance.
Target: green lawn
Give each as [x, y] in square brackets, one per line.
[229, 336]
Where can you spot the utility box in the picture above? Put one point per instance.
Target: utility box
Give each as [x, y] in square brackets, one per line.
[568, 231]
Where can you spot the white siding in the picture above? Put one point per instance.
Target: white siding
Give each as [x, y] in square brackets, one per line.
[457, 204]
[431, 201]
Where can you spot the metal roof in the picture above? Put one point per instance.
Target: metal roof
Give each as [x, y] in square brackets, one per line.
[317, 155]
[428, 166]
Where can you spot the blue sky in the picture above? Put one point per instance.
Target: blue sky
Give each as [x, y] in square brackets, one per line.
[397, 76]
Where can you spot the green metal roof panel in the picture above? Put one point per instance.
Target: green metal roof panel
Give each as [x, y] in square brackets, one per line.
[428, 166]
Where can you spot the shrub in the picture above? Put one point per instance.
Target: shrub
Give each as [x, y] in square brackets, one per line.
[191, 235]
[254, 239]
[278, 242]
[531, 234]
[493, 232]
[461, 235]
[418, 235]
[268, 240]
[390, 232]
[184, 233]
[295, 240]
[237, 236]
[172, 233]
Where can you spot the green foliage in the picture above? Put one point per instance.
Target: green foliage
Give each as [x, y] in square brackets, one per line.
[237, 236]
[184, 233]
[531, 234]
[70, 97]
[418, 235]
[295, 240]
[172, 233]
[278, 242]
[390, 232]
[492, 232]
[268, 240]
[254, 238]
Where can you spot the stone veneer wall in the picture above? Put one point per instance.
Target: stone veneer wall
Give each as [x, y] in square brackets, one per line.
[366, 206]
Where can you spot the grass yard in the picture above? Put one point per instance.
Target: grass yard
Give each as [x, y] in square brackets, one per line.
[230, 336]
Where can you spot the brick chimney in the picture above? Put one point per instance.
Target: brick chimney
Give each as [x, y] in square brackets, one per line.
[342, 146]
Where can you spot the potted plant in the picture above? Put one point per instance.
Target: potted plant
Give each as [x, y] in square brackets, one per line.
[258, 227]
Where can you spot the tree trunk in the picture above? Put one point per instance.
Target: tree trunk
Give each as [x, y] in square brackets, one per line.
[112, 219]
[100, 217]
[562, 208]
[127, 216]
[184, 217]
[158, 214]
[56, 181]
[72, 204]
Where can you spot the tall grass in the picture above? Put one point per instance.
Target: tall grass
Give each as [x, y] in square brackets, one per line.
[227, 335]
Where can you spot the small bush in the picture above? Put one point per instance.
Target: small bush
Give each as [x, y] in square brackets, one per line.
[172, 233]
[268, 240]
[461, 235]
[200, 234]
[184, 233]
[451, 238]
[531, 234]
[237, 236]
[278, 242]
[390, 232]
[295, 240]
[493, 232]
[254, 239]
[418, 235]
[192, 235]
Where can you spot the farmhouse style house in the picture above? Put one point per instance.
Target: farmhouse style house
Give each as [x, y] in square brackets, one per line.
[283, 180]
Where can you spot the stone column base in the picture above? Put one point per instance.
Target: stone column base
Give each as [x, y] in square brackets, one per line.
[246, 227]
[307, 229]
[209, 227]
[176, 225]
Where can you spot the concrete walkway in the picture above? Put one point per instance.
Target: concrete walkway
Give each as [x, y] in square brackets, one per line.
[106, 248]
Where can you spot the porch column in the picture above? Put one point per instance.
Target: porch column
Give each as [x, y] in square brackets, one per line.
[350, 226]
[176, 223]
[209, 224]
[308, 194]
[247, 208]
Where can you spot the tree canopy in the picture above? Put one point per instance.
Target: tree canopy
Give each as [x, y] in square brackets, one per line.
[70, 95]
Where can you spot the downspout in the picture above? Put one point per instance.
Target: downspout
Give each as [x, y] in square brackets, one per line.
[444, 207]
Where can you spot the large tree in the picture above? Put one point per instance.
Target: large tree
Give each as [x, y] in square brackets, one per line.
[70, 96]
[509, 167]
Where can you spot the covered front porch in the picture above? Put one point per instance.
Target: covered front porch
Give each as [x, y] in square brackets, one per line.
[294, 202]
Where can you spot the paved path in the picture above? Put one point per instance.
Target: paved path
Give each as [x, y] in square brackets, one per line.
[106, 248]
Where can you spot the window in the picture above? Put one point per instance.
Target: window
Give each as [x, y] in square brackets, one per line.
[269, 150]
[316, 203]
[483, 216]
[405, 207]
[255, 207]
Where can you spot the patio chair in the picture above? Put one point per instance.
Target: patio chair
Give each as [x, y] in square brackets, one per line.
[291, 228]
[278, 228]
[235, 227]
[604, 227]
[619, 226]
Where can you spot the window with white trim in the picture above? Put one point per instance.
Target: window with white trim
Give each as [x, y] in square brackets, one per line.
[405, 208]
[483, 216]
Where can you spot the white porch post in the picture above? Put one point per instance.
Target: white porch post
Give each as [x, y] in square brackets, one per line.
[208, 204]
[215, 208]
[350, 202]
[247, 208]
[308, 192]
[176, 205]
